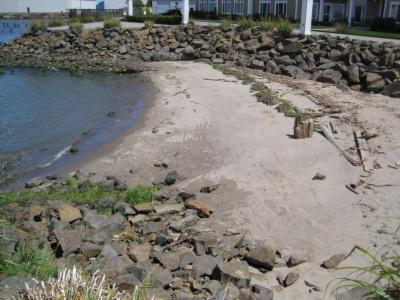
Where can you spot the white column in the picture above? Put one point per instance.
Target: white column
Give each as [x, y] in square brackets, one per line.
[350, 17]
[321, 10]
[306, 17]
[130, 7]
[249, 7]
[185, 12]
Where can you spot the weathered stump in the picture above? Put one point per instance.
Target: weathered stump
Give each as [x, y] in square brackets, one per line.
[303, 127]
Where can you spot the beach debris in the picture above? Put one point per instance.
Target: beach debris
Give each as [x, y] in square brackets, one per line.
[111, 114]
[319, 176]
[303, 127]
[73, 149]
[209, 189]
[160, 164]
[369, 135]
[343, 152]
[202, 210]
[312, 286]
[332, 123]
[353, 186]
[291, 278]
[363, 152]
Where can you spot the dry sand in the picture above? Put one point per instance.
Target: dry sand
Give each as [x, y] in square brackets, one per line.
[210, 128]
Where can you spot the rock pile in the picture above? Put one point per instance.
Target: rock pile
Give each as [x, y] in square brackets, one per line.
[363, 65]
[164, 241]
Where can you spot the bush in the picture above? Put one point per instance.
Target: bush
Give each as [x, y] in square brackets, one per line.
[384, 24]
[284, 26]
[209, 15]
[112, 23]
[55, 22]
[140, 194]
[340, 27]
[172, 12]
[157, 19]
[76, 27]
[148, 24]
[38, 25]
[225, 23]
[246, 23]
[87, 19]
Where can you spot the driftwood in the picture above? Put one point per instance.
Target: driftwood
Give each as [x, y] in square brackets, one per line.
[363, 152]
[303, 127]
[333, 126]
[330, 138]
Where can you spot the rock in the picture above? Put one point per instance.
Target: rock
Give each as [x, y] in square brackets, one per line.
[126, 281]
[205, 265]
[180, 224]
[355, 293]
[285, 60]
[186, 195]
[153, 227]
[36, 211]
[68, 213]
[272, 67]
[262, 258]
[329, 76]
[186, 258]
[374, 82]
[143, 208]
[295, 72]
[124, 208]
[169, 208]
[90, 250]
[294, 261]
[69, 241]
[108, 251]
[169, 261]
[160, 164]
[319, 176]
[311, 285]
[291, 278]
[12, 286]
[334, 261]
[171, 178]
[161, 277]
[138, 218]
[292, 48]
[34, 182]
[202, 210]
[92, 220]
[264, 292]
[116, 265]
[209, 189]
[228, 292]
[140, 253]
[245, 35]
[188, 52]
[212, 286]
[353, 74]
[326, 66]
[257, 64]
[123, 49]
[234, 269]
[392, 90]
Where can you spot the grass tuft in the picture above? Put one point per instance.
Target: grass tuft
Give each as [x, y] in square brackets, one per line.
[112, 23]
[56, 22]
[38, 25]
[140, 194]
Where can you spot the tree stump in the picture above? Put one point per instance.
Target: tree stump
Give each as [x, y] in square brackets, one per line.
[303, 127]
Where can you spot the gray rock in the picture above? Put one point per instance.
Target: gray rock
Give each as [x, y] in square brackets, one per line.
[319, 176]
[292, 48]
[257, 64]
[169, 208]
[116, 265]
[92, 220]
[124, 208]
[154, 227]
[213, 287]
[355, 293]
[90, 250]
[285, 60]
[171, 177]
[209, 189]
[264, 292]
[245, 35]
[205, 265]
[69, 241]
[353, 74]
[123, 49]
[161, 277]
[272, 67]
[126, 281]
[169, 261]
[140, 253]
[234, 269]
[291, 278]
[390, 74]
[295, 72]
[108, 251]
[392, 90]
[329, 65]
[374, 82]
[186, 258]
[228, 292]
[329, 76]
[334, 261]
[262, 258]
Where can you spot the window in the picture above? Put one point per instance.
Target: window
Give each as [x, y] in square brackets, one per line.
[203, 5]
[212, 5]
[394, 11]
[226, 6]
[238, 6]
[280, 8]
[265, 7]
[315, 11]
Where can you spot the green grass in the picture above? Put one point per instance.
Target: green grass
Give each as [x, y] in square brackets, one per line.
[379, 34]
[380, 279]
[87, 19]
[89, 194]
[38, 25]
[140, 194]
[77, 26]
[37, 262]
[112, 23]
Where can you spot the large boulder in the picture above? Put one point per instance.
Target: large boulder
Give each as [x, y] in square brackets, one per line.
[257, 64]
[374, 82]
[329, 76]
[392, 90]
[292, 48]
[262, 258]
[295, 72]
[353, 74]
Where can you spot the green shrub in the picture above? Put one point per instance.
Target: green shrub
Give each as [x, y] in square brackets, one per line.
[246, 23]
[38, 25]
[283, 26]
[87, 19]
[157, 19]
[37, 262]
[384, 24]
[72, 20]
[380, 280]
[112, 23]
[76, 27]
[225, 23]
[340, 27]
[55, 22]
[100, 18]
[148, 24]
[140, 194]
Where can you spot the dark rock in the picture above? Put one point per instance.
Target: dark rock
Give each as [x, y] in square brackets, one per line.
[186, 258]
[374, 82]
[295, 72]
[161, 277]
[90, 250]
[169, 261]
[171, 178]
[154, 227]
[272, 67]
[124, 208]
[162, 239]
[116, 265]
[292, 48]
[319, 176]
[205, 265]
[126, 281]
[294, 261]
[264, 292]
[353, 74]
[392, 90]
[69, 241]
[329, 76]
[257, 64]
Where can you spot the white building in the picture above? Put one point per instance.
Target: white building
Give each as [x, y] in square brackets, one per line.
[44, 6]
[162, 6]
[115, 4]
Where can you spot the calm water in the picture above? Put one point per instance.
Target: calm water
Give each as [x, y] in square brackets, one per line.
[10, 29]
[42, 113]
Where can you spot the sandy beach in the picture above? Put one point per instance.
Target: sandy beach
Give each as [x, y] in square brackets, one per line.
[210, 129]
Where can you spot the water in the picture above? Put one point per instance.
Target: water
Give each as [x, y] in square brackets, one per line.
[10, 29]
[43, 113]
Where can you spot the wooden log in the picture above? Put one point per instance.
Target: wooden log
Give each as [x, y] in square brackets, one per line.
[303, 127]
[333, 126]
[330, 138]
[363, 152]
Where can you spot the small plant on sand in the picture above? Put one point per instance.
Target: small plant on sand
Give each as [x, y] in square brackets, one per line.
[55, 22]
[87, 19]
[340, 27]
[284, 26]
[73, 284]
[76, 27]
[246, 23]
[148, 24]
[38, 25]
[225, 23]
[140, 194]
[380, 280]
[35, 261]
[112, 23]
